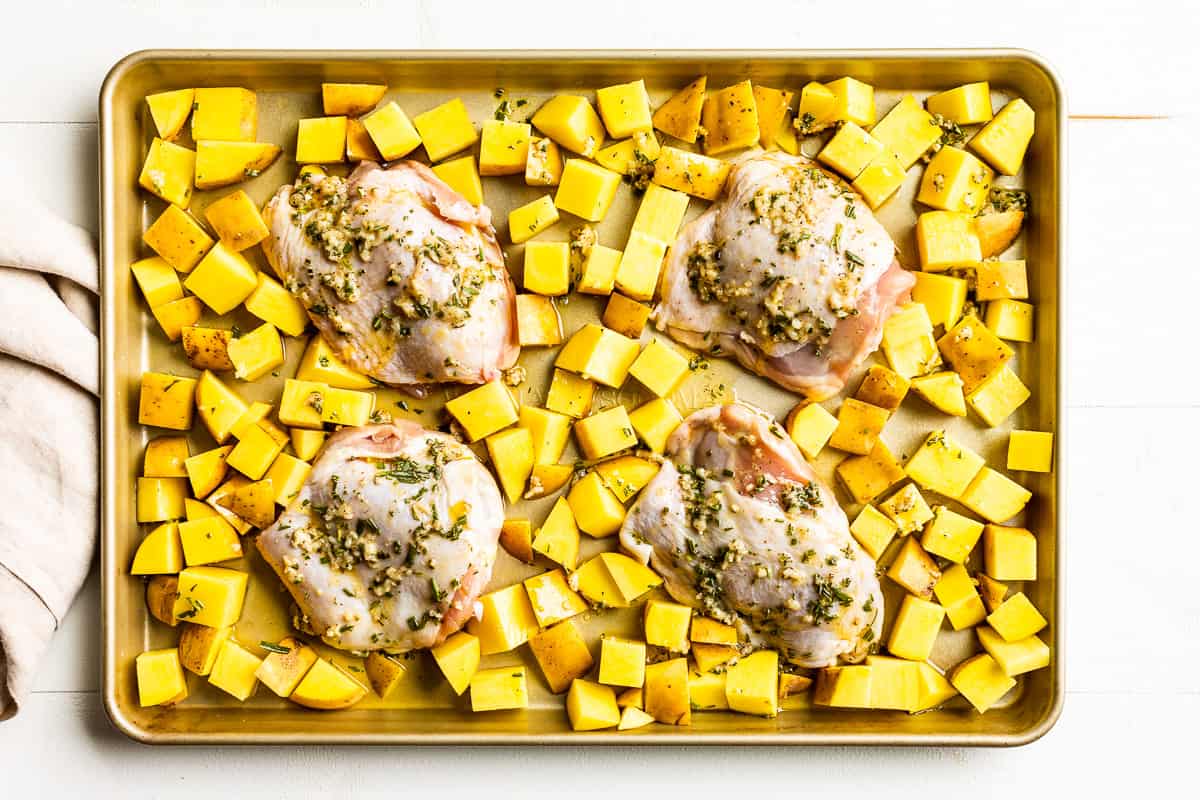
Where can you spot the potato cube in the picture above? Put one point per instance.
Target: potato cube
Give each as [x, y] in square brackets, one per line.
[216, 501]
[993, 591]
[709, 657]
[786, 138]
[392, 132]
[817, 109]
[531, 219]
[955, 181]
[654, 422]
[854, 101]
[932, 688]
[914, 357]
[660, 213]
[859, 426]
[207, 348]
[224, 163]
[594, 582]
[907, 509]
[1015, 658]
[160, 499]
[551, 599]
[730, 119]
[622, 661]
[237, 221]
[605, 433]
[165, 401]
[161, 593]
[914, 569]
[633, 717]
[771, 106]
[320, 364]
[641, 262]
[571, 121]
[1031, 451]
[956, 593]
[866, 477]
[850, 150]
[586, 189]
[691, 173]
[516, 537]
[982, 681]
[873, 530]
[625, 316]
[660, 368]
[256, 415]
[942, 295]
[179, 239]
[208, 541]
[950, 535]
[511, 452]
[328, 687]
[974, 351]
[307, 443]
[947, 239]
[321, 140]
[895, 683]
[272, 303]
[350, 99]
[1001, 280]
[498, 689]
[591, 706]
[287, 476]
[547, 268]
[160, 678]
[159, 553]
[164, 457]
[458, 659]
[254, 452]
[944, 466]
[994, 496]
[544, 163]
[667, 625]
[597, 511]
[210, 596]
[168, 172]
[226, 113]
[548, 431]
[461, 175]
[170, 111]
[206, 470]
[632, 579]
[222, 279]
[666, 692]
[157, 280]
[483, 411]
[1003, 140]
[706, 690]
[256, 353]
[916, 627]
[598, 354]
[709, 631]
[360, 147]
[882, 388]
[943, 391]
[301, 403]
[631, 157]
[752, 684]
[1009, 554]
[446, 129]
[598, 273]
[998, 397]
[844, 687]
[285, 665]
[569, 394]
[200, 645]
[507, 620]
[625, 108]
[810, 427]
[174, 316]
[504, 147]
[997, 230]
[546, 479]
[908, 130]
[626, 475]
[347, 407]
[558, 538]
[1010, 319]
[880, 179]
[909, 322]
[968, 104]
[679, 116]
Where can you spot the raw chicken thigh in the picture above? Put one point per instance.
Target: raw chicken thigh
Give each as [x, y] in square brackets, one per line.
[789, 272]
[401, 274]
[738, 527]
[391, 539]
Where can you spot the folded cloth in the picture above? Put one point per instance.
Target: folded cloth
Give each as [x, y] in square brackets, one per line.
[49, 433]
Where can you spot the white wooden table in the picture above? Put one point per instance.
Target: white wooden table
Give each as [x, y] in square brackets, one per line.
[1134, 404]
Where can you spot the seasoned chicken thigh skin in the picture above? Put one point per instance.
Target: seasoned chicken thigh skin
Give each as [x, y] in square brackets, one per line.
[789, 272]
[739, 528]
[390, 540]
[402, 275]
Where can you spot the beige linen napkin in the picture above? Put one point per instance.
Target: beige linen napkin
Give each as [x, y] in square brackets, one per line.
[49, 433]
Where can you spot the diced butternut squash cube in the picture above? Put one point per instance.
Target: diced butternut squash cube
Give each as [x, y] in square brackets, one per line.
[1031, 451]
[168, 172]
[626, 317]
[907, 509]
[256, 353]
[458, 659]
[531, 219]
[667, 625]
[461, 175]
[882, 388]
[622, 661]
[850, 150]
[968, 104]
[160, 499]
[908, 130]
[660, 214]
[1003, 141]
[179, 239]
[548, 430]
[914, 569]
[571, 121]
[206, 470]
[511, 452]
[563, 655]
[392, 132]
[504, 147]
[1017, 657]
[859, 426]
[660, 368]
[844, 687]
[691, 173]
[866, 477]
[605, 433]
[598, 354]
[955, 180]
[591, 706]
[225, 113]
[507, 620]
[1009, 554]
[286, 476]
[873, 530]
[895, 683]
[666, 692]
[947, 239]
[222, 279]
[544, 162]
[709, 631]
[558, 538]
[176, 315]
[208, 541]
[654, 422]
[771, 105]
[164, 457]
[942, 295]
[254, 452]
[552, 599]
[359, 145]
[854, 101]
[321, 140]
[1010, 319]
[165, 401]
[730, 119]
[301, 403]
[996, 398]
[237, 221]
[982, 681]
[626, 475]
[951, 535]
[446, 129]
[159, 553]
[997, 230]
[880, 179]
[943, 391]
[483, 411]
[170, 111]
[328, 687]
[916, 628]
[272, 303]
[224, 163]
[158, 281]
[598, 274]
[210, 596]
[594, 582]
[350, 99]
[752, 684]
[569, 394]
[994, 496]
[810, 427]
[547, 268]
[956, 593]
[944, 466]
[586, 189]
[631, 578]
[641, 262]
[597, 511]
[679, 116]
[625, 108]
[1001, 280]
[160, 678]
[498, 689]
[320, 364]
[633, 717]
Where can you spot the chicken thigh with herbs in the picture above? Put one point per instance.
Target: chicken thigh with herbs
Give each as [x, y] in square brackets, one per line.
[401, 274]
[390, 540]
[789, 272]
[739, 528]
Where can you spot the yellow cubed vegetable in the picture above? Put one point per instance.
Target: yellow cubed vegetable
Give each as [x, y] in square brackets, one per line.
[446, 129]
[955, 180]
[679, 116]
[998, 397]
[516, 537]
[498, 689]
[586, 189]
[208, 541]
[709, 657]
[771, 105]
[1001, 280]
[237, 221]
[569, 394]
[631, 698]
[164, 457]
[850, 150]
[392, 132]
[558, 538]
[176, 315]
[347, 407]
[633, 718]
[633, 157]
[507, 620]
[224, 163]
[916, 628]
[547, 268]
[604, 433]
[932, 688]
[944, 466]
[222, 279]
[660, 213]
[285, 665]
[907, 130]
[982, 681]
[549, 431]
[660, 368]
[882, 388]
[321, 140]
[360, 146]
[350, 99]
[547, 479]
[483, 411]
[624, 108]
[908, 509]
[199, 646]
[730, 119]
[631, 578]
[511, 452]
[994, 496]
[1003, 140]
[854, 101]
[458, 659]
[504, 147]
[914, 569]
[859, 426]
[914, 357]
[563, 655]
[666, 692]
[880, 179]
[254, 502]
[161, 591]
[226, 113]
[217, 502]
[210, 596]
[254, 452]
[752, 684]
[234, 670]
[321, 365]
[622, 661]
[895, 683]
[159, 553]
[207, 348]
[158, 281]
[968, 104]
[691, 173]
[531, 219]
[626, 475]
[543, 163]
[951, 535]
[571, 121]
[844, 687]
[654, 422]
[626, 317]
[256, 353]
[866, 477]
[817, 109]
[179, 239]
[873, 530]
[160, 678]
[597, 511]
[641, 262]
[206, 470]
[947, 239]
[997, 230]
[591, 706]
[272, 303]
[1031, 451]
[168, 172]
[170, 111]
[810, 427]
[1010, 319]
[461, 175]
[598, 354]
[1016, 657]
[307, 443]
[599, 271]
[1009, 554]
[287, 476]
[709, 631]
[667, 625]
[943, 391]
[942, 295]
[551, 599]
[301, 402]
[956, 593]
[328, 687]
[165, 401]
[993, 591]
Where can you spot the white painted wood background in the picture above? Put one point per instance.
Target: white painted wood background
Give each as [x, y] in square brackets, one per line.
[1134, 404]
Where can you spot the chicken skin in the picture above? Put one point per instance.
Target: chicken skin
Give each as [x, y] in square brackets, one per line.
[739, 528]
[789, 273]
[402, 275]
[391, 539]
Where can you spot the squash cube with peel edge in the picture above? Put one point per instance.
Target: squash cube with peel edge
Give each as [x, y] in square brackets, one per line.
[165, 401]
[914, 569]
[690, 173]
[1004, 139]
[551, 599]
[810, 426]
[211, 596]
[873, 530]
[498, 689]
[709, 657]
[384, 672]
[982, 681]
[321, 140]
[531, 219]
[507, 620]
[446, 129]
[178, 238]
[1016, 618]
[392, 132]
[994, 496]
[168, 172]
[484, 410]
[666, 625]
[654, 422]
[866, 477]
[1030, 451]
[594, 582]
[547, 268]
[591, 706]
[679, 116]
[955, 180]
[752, 684]
[160, 678]
[597, 510]
[951, 535]
[625, 108]
[571, 121]
[280, 671]
[350, 99]
[660, 368]
[586, 189]
[956, 593]
[916, 629]
[666, 693]
[222, 279]
[563, 655]
[622, 661]
[458, 659]
[558, 537]
[516, 537]
[943, 465]
[1015, 658]
[504, 147]
[256, 353]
